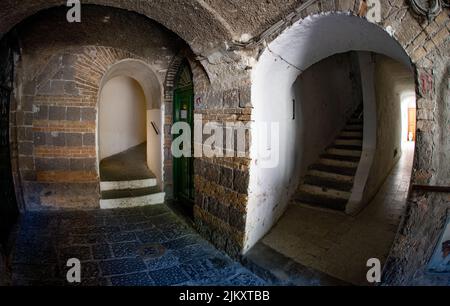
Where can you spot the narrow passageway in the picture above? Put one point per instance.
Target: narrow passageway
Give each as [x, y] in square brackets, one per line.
[124, 247]
[339, 245]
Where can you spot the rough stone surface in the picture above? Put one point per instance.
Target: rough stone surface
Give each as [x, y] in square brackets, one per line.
[125, 247]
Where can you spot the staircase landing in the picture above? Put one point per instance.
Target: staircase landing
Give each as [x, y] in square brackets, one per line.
[126, 181]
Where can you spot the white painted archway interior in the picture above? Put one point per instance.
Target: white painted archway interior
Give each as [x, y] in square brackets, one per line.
[130, 113]
[122, 116]
[304, 44]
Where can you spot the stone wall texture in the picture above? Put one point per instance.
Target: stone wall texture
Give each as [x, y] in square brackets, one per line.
[55, 119]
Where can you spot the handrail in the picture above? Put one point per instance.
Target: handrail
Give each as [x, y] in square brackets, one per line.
[155, 128]
[431, 188]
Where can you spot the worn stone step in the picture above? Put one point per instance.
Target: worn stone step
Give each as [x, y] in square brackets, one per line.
[131, 198]
[324, 192]
[320, 200]
[351, 135]
[349, 142]
[348, 147]
[354, 153]
[124, 185]
[333, 169]
[341, 157]
[329, 175]
[328, 182]
[338, 163]
[354, 127]
[354, 120]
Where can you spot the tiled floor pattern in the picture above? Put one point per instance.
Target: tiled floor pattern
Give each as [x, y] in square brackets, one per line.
[126, 247]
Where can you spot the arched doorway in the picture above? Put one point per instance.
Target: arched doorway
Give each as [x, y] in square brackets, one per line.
[348, 164]
[183, 112]
[129, 136]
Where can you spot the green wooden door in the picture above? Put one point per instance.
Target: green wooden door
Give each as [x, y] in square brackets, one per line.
[184, 166]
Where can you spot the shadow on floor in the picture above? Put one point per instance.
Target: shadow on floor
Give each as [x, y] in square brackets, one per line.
[149, 246]
[130, 165]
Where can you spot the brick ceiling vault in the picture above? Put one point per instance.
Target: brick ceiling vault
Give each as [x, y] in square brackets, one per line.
[204, 24]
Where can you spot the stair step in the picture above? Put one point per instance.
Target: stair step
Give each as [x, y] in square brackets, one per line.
[354, 127]
[131, 198]
[124, 185]
[331, 176]
[325, 198]
[334, 169]
[128, 193]
[349, 142]
[351, 135]
[328, 183]
[324, 192]
[354, 153]
[354, 120]
[338, 163]
[341, 157]
[348, 147]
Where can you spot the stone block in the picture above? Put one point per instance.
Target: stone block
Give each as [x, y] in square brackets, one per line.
[56, 139]
[88, 114]
[26, 148]
[237, 219]
[211, 172]
[57, 113]
[76, 164]
[226, 177]
[41, 112]
[240, 182]
[89, 139]
[39, 139]
[73, 114]
[74, 139]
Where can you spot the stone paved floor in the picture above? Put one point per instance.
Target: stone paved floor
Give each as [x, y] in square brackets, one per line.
[126, 247]
[340, 245]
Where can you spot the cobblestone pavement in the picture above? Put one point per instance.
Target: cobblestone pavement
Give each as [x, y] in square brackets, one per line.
[127, 247]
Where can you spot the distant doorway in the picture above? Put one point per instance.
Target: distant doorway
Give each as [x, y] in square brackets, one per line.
[184, 112]
[130, 137]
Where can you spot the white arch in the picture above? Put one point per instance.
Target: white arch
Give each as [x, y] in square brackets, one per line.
[153, 92]
[305, 43]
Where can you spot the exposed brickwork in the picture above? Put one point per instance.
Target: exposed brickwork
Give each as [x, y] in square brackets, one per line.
[56, 113]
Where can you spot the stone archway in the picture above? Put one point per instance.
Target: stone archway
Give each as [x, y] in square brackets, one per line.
[294, 51]
[138, 71]
[403, 28]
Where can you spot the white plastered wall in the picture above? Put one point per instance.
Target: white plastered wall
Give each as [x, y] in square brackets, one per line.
[122, 116]
[305, 43]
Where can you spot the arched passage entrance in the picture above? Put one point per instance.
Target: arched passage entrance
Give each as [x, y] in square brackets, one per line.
[320, 40]
[130, 136]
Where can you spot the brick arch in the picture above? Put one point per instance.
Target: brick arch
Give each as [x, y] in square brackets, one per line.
[62, 158]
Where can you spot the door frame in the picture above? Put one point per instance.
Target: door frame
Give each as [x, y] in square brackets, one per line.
[177, 93]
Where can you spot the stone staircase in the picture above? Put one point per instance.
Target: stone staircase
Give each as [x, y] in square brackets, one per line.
[329, 182]
[126, 181]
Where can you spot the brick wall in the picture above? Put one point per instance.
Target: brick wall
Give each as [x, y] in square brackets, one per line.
[55, 114]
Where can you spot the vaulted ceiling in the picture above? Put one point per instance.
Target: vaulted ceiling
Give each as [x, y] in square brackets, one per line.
[203, 24]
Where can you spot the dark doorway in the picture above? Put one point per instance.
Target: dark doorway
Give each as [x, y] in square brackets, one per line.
[8, 205]
[184, 112]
